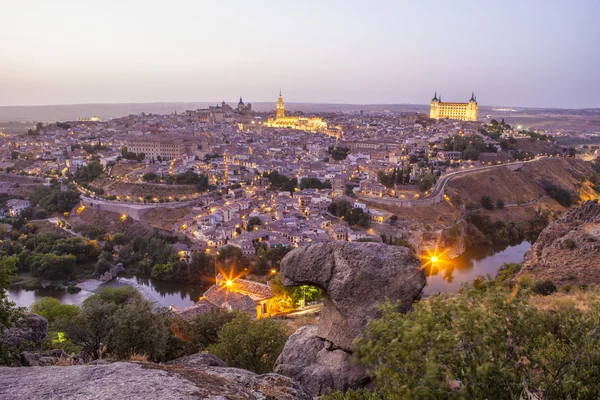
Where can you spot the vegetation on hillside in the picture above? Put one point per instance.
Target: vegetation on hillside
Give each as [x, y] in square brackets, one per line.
[352, 215]
[54, 198]
[120, 324]
[8, 312]
[488, 341]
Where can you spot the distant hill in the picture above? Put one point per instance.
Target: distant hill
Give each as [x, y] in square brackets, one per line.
[533, 118]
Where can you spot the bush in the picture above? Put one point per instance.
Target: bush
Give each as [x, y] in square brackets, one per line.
[570, 244]
[51, 309]
[250, 344]
[483, 344]
[499, 204]
[544, 288]
[562, 196]
[486, 202]
[137, 330]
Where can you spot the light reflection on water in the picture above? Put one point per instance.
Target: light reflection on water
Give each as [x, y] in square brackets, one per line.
[480, 260]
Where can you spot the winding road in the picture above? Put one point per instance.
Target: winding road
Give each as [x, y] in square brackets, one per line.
[437, 193]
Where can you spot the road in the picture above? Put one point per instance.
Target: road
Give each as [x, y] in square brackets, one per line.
[436, 194]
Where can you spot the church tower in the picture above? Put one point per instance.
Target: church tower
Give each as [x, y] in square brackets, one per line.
[434, 109]
[472, 108]
[280, 110]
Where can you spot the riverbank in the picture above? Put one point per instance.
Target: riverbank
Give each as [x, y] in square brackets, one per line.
[450, 274]
[163, 294]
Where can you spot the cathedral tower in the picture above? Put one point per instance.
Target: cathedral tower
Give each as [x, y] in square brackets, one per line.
[280, 110]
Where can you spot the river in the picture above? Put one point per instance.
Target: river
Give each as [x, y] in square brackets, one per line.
[161, 294]
[480, 260]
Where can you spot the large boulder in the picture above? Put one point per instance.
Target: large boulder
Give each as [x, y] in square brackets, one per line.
[114, 271]
[309, 360]
[141, 381]
[43, 358]
[357, 278]
[27, 333]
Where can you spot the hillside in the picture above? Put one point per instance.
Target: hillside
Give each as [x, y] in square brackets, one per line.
[568, 250]
[109, 222]
[523, 185]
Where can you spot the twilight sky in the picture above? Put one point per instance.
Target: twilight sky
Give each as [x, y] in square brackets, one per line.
[513, 52]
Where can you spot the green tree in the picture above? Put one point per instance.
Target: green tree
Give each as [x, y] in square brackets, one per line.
[253, 222]
[137, 330]
[349, 190]
[499, 204]
[8, 312]
[204, 330]
[52, 309]
[486, 202]
[91, 328]
[250, 344]
[339, 153]
[426, 182]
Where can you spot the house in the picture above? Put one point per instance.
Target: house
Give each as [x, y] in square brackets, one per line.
[183, 251]
[16, 206]
[243, 295]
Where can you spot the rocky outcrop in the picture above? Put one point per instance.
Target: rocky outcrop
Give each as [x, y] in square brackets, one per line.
[199, 360]
[311, 361]
[114, 271]
[141, 381]
[356, 278]
[44, 358]
[567, 250]
[27, 333]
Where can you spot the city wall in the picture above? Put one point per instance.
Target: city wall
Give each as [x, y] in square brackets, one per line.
[132, 210]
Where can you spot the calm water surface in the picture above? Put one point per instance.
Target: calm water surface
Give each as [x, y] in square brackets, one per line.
[162, 294]
[480, 260]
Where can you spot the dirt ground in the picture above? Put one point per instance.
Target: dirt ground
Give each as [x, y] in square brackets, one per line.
[164, 218]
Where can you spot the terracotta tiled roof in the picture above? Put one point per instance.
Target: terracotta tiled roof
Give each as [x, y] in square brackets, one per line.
[192, 312]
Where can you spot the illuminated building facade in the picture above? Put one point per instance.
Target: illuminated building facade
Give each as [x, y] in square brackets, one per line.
[153, 148]
[461, 111]
[309, 124]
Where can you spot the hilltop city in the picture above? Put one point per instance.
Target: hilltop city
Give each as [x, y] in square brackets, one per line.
[229, 206]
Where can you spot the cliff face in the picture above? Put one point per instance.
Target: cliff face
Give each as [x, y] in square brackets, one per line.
[356, 279]
[568, 250]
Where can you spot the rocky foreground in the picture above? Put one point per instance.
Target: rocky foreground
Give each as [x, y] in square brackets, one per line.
[357, 278]
[201, 376]
[568, 250]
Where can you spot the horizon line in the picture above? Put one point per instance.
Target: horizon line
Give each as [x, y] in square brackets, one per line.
[287, 102]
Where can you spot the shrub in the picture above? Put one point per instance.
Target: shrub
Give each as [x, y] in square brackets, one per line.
[570, 244]
[499, 204]
[250, 344]
[483, 344]
[544, 288]
[486, 202]
[51, 309]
